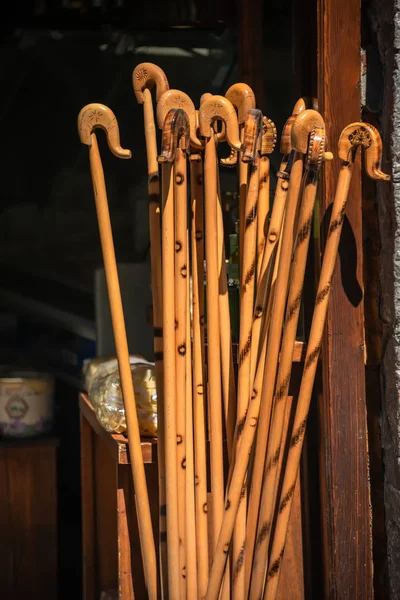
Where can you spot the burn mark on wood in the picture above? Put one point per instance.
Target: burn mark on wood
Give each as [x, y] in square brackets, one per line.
[250, 274]
[323, 293]
[251, 216]
[276, 565]
[298, 435]
[238, 565]
[286, 499]
[264, 531]
[304, 231]
[294, 307]
[336, 223]
[312, 357]
[245, 350]
[282, 389]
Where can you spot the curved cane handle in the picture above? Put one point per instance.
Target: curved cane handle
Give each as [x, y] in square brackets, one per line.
[176, 131]
[286, 141]
[268, 139]
[366, 136]
[98, 116]
[218, 107]
[177, 99]
[242, 97]
[303, 125]
[148, 75]
[221, 135]
[252, 135]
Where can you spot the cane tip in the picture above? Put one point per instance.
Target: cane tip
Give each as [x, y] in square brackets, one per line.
[328, 156]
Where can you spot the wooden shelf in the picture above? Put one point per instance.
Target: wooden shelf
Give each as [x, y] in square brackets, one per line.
[116, 443]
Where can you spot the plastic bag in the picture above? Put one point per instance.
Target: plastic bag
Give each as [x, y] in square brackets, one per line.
[105, 395]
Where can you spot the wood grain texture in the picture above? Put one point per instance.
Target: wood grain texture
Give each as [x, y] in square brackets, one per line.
[116, 443]
[88, 521]
[346, 518]
[105, 473]
[28, 520]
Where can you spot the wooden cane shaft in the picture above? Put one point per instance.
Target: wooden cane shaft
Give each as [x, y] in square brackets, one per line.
[181, 274]
[121, 344]
[263, 307]
[297, 272]
[246, 317]
[196, 186]
[264, 280]
[168, 245]
[272, 357]
[213, 343]
[237, 475]
[191, 553]
[243, 183]
[199, 413]
[307, 381]
[263, 208]
[150, 135]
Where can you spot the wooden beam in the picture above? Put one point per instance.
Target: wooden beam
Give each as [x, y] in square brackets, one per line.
[345, 497]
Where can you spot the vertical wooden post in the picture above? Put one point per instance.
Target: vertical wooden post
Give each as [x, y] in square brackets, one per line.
[250, 43]
[346, 518]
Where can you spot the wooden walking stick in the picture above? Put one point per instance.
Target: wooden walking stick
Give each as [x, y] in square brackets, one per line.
[301, 129]
[316, 147]
[191, 542]
[354, 135]
[145, 76]
[175, 99]
[91, 117]
[251, 152]
[227, 364]
[199, 389]
[242, 97]
[211, 109]
[268, 142]
[258, 392]
[176, 127]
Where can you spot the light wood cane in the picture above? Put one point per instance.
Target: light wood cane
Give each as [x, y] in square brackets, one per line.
[91, 117]
[300, 131]
[227, 362]
[234, 491]
[213, 108]
[243, 99]
[199, 389]
[145, 76]
[191, 542]
[181, 345]
[251, 155]
[268, 142]
[264, 302]
[314, 160]
[176, 128]
[176, 99]
[354, 135]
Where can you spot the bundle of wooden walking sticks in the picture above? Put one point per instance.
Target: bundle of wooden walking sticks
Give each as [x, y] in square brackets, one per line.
[222, 522]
